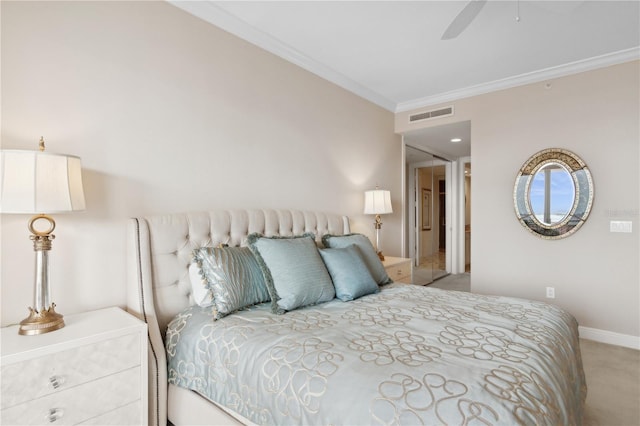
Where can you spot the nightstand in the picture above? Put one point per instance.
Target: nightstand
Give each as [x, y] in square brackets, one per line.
[399, 269]
[93, 371]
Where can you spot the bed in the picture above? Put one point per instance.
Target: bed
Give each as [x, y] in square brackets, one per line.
[401, 354]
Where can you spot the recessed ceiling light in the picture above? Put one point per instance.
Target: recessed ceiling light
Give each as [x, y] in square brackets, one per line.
[456, 140]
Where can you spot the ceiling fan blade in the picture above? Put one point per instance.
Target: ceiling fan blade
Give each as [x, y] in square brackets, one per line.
[464, 18]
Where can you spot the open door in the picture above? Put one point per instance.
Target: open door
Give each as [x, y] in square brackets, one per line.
[467, 216]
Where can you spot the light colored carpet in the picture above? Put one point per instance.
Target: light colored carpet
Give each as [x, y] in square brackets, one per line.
[613, 381]
[612, 373]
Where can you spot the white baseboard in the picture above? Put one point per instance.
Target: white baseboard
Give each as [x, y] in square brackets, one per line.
[609, 337]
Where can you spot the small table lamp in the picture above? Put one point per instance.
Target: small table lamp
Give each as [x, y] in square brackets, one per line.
[377, 201]
[35, 182]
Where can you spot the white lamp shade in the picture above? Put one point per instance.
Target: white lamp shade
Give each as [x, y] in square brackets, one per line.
[377, 201]
[39, 182]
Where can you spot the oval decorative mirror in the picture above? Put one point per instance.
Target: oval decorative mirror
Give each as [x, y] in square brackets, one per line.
[553, 193]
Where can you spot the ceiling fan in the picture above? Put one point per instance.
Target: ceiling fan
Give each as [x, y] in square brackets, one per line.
[473, 8]
[464, 18]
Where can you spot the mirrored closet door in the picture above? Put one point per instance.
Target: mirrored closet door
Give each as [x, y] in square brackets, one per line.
[427, 186]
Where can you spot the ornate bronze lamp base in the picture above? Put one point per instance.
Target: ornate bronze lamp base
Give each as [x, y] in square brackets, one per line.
[378, 225]
[41, 322]
[43, 318]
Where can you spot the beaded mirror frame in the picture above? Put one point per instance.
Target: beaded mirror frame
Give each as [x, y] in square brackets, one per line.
[583, 193]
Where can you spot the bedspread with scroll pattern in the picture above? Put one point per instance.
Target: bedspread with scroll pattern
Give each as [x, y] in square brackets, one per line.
[407, 355]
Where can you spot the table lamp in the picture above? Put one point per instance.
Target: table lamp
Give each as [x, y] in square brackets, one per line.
[377, 201]
[37, 182]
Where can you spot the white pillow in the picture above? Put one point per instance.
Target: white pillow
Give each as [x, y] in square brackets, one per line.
[199, 288]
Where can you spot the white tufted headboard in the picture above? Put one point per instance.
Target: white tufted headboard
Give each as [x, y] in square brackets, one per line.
[159, 253]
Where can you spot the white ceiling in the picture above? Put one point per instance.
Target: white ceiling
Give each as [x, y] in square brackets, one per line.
[391, 52]
[437, 140]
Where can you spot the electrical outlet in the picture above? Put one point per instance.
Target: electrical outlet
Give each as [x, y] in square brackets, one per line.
[551, 293]
[620, 226]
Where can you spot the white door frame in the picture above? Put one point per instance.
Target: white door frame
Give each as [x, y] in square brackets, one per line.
[462, 261]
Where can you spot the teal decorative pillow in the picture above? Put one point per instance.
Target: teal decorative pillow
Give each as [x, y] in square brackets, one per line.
[200, 290]
[369, 255]
[233, 277]
[293, 270]
[350, 275]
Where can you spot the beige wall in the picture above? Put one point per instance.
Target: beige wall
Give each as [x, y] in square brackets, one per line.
[596, 115]
[171, 114]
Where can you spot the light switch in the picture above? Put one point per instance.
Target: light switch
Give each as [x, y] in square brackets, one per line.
[620, 226]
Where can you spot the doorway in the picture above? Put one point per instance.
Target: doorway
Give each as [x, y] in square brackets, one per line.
[429, 213]
[449, 146]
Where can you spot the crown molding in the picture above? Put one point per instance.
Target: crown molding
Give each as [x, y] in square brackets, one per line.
[210, 12]
[522, 79]
[217, 16]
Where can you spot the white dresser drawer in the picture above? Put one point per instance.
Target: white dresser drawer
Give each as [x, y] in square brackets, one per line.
[32, 379]
[129, 415]
[80, 403]
[98, 362]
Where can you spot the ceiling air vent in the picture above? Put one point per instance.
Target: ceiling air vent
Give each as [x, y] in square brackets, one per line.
[436, 113]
